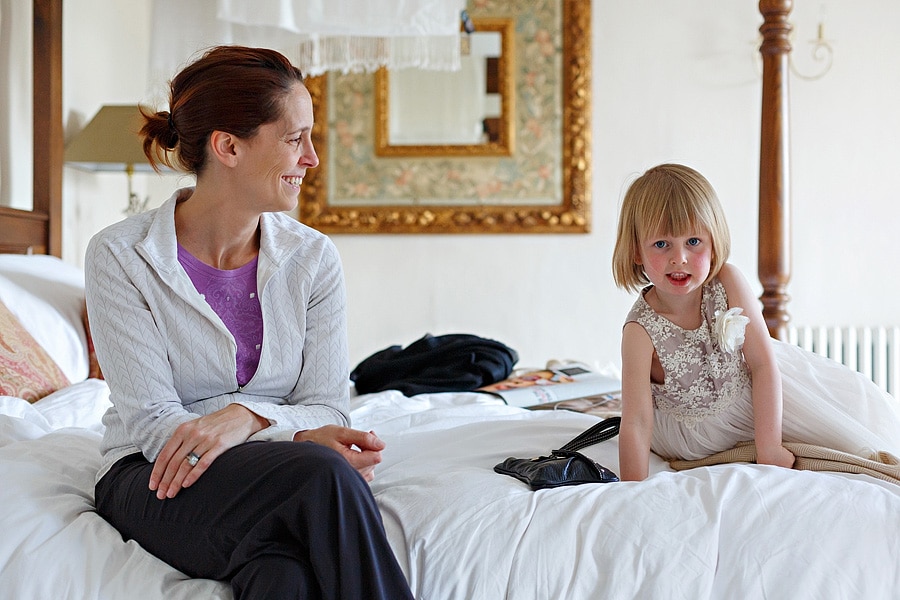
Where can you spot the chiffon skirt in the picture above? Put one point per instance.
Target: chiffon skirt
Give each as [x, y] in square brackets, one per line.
[825, 404]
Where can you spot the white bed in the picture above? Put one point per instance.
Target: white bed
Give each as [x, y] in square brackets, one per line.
[460, 530]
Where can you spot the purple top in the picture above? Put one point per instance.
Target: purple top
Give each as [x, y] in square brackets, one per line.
[232, 295]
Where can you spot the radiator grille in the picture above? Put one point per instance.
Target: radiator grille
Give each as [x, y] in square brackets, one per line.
[873, 351]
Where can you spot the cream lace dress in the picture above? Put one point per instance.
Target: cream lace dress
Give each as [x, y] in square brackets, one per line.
[704, 406]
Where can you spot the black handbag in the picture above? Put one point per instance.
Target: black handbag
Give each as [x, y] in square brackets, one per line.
[565, 466]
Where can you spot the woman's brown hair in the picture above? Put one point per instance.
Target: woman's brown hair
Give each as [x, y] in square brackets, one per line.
[234, 89]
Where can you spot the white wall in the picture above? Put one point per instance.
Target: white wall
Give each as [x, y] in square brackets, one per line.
[105, 61]
[674, 80]
[15, 105]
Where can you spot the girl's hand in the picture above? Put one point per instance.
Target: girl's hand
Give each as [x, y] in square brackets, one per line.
[206, 437]
[777, 455]
[361, 449]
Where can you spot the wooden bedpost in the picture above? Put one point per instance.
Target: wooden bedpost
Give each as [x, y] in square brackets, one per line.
[39, 229]
[774, 252]
[48, 118]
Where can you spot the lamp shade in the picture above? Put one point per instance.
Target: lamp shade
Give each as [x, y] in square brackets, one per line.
[110, 142]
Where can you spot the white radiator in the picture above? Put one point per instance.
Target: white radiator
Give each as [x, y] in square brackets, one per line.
[873, 351]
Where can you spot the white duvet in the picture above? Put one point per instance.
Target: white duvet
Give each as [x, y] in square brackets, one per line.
[462, 531]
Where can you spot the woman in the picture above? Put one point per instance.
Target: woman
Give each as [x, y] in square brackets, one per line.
[220, 326]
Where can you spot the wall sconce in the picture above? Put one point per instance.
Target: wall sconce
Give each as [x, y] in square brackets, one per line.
[822, 53]
[110, 142]
[467, 28]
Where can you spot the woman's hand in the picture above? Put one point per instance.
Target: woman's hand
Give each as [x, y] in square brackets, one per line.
[362, 450]
[206, 437]
[776, 455]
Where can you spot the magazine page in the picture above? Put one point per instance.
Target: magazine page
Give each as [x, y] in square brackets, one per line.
[603, 406]
[551, 385]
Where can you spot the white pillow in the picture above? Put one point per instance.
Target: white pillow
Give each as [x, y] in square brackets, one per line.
[82, 404]
[47, 296]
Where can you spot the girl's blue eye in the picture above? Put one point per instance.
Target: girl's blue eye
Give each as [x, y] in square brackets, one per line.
[694, 242]
[659, 244]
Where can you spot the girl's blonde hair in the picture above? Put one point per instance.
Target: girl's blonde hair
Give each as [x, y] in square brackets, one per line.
[668, 199]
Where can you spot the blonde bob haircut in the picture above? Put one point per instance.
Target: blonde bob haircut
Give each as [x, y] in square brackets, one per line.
[668, 199]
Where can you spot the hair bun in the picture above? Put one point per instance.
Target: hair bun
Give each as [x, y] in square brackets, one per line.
[171, 137]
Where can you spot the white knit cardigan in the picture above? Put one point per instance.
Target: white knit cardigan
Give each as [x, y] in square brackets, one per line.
[169, 358]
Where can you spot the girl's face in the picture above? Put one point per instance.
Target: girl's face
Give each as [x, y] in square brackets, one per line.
[677, 264]
[281, 152]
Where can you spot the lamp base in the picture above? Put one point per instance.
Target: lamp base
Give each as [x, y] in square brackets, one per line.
[135, 205]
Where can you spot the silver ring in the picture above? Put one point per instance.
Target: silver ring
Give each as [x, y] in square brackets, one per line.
[192, 459]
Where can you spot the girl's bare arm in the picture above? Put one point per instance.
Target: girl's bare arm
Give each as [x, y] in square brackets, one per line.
[765, 377]
[636, 430]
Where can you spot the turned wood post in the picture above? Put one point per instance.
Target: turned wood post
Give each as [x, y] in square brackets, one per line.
[48, 119]
[774, 252]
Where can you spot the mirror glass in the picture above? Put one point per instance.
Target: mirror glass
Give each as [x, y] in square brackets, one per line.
[438, 113]
[448, 107]
[542, 185]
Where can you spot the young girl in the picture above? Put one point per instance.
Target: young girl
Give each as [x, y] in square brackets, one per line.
[699, 370]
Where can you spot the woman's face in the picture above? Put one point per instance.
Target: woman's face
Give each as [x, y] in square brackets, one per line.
[278, 156]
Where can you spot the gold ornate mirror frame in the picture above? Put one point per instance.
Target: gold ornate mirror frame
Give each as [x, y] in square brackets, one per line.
[570, 215]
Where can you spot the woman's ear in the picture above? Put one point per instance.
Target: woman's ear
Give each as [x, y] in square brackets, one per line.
[222, 147]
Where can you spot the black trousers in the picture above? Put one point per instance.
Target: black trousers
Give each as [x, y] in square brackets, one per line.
[277, 519]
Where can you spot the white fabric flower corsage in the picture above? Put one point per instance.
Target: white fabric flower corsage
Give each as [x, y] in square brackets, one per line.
[730, 326]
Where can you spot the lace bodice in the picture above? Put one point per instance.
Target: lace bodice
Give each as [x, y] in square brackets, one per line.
[701, 379]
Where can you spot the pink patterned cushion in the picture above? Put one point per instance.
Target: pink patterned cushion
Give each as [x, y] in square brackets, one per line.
[26, 370]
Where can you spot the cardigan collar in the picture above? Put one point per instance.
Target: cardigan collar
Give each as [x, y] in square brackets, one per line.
[160, 246]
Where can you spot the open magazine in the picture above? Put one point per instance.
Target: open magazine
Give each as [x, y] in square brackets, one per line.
[553, 385]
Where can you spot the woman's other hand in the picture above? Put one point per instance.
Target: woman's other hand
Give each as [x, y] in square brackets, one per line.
[205, 437]
[361, 449]
[777, 455]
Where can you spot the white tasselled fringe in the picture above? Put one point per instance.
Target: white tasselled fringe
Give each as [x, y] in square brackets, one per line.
[366, 54]
[346, 54]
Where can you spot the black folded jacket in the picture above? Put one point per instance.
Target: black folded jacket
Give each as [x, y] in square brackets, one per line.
[441, 363]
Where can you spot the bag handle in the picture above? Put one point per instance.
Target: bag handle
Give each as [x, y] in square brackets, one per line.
[604, 430]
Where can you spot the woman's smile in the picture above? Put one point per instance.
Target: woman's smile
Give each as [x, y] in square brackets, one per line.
[295, 181]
